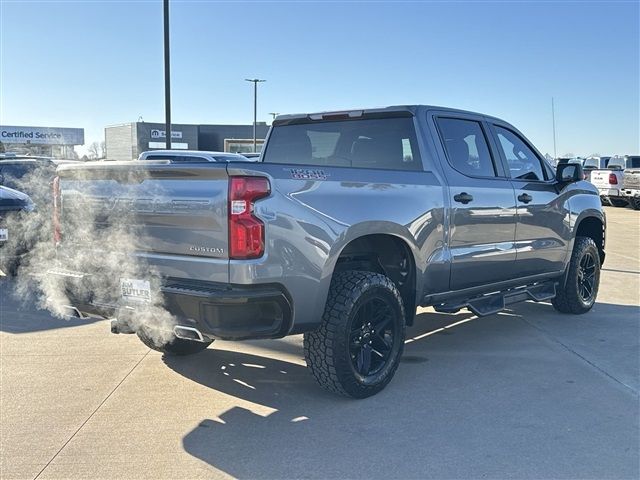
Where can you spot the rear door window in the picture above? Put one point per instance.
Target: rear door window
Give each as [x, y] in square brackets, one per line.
[466, 147]
[382, 143]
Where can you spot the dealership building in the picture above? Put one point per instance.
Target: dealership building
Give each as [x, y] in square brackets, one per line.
[128, 140]
[48, 141]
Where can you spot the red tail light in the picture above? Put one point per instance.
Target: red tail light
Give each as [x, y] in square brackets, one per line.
[613, 180]
[246, 231]
[57, 234]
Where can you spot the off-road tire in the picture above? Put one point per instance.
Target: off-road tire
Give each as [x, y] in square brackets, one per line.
[618, 202]
[327, 349]
[175, 346]
[568, 298]
[635, 203]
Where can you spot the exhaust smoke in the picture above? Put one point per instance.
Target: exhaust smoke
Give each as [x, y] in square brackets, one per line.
[97, 250]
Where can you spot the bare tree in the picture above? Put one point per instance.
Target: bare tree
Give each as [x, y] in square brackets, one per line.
[96, 150]
[93, 152]
[103, 149]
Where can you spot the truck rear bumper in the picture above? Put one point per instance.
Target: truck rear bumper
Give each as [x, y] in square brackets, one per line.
[230, 312]
[630, 192]
[222, 311]
[609, 192]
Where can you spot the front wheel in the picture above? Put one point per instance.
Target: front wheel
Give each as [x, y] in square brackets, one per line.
[583, 279]
[356, 350]
[168, 343]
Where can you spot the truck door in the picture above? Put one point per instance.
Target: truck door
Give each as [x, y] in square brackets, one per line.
[483, 213]
[543, 231]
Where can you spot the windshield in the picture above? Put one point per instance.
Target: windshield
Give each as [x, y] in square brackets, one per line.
[616, 163]
[633, 162]
[385, 143]
[592, 163]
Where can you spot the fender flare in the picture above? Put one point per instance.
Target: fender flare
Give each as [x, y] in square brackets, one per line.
[361, 230]
[588, 213]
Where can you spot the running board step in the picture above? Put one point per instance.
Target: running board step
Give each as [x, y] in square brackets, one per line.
[496, 302]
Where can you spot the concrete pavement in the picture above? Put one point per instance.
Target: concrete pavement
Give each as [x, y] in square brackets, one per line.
[527, 393]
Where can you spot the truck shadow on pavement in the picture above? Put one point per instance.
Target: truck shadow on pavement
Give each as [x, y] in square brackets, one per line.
[494, 397]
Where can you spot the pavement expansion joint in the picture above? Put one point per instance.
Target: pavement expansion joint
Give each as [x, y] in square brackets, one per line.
[92, 414]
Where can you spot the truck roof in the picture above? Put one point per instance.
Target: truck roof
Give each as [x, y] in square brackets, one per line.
[355, 112]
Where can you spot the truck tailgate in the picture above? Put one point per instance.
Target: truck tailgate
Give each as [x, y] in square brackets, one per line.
[632, 179]
[175, 214]
[600, 178]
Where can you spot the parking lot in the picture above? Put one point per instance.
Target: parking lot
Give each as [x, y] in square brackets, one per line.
[528, 393]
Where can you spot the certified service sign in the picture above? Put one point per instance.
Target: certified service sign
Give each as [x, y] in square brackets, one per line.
[42, 135]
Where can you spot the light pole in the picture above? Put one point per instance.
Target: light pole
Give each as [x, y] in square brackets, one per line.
[255, 82]
[167, 76]
[274, 115]
[553, 119]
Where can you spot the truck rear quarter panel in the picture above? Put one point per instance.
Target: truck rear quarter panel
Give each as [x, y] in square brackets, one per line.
[310, 221]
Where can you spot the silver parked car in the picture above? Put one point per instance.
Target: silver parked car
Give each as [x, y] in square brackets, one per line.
[191, 156]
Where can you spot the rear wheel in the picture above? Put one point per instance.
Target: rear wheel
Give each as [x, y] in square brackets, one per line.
[583, 279]
[169, 343]
[358, 346]
[635, 203]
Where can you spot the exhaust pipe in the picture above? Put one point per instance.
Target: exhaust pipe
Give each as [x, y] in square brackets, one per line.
[118, 325]
[188, 333]
[73, 312]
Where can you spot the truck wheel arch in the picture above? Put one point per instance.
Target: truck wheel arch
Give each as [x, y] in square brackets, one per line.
[386, 253]
[592, 226]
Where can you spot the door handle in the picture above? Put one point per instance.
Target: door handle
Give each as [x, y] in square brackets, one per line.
[463, 197]
[525, 198]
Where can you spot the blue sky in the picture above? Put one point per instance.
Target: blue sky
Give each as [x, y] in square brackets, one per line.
[90, 64]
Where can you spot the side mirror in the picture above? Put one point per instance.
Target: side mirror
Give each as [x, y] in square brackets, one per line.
[569, 172]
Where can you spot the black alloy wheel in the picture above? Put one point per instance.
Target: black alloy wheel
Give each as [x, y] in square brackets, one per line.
[586, 277]
[357, 348]
[576, 293]
[372, 337]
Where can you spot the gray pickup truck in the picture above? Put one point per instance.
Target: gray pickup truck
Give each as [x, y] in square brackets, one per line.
[348, 223]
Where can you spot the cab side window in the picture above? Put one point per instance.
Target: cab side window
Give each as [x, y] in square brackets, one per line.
[466, 147]
[524, 164]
